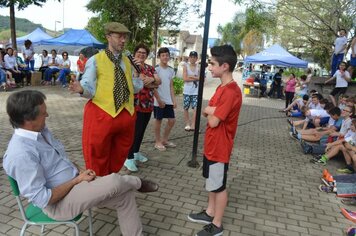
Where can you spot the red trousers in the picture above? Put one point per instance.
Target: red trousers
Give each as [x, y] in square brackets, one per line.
[106, 140]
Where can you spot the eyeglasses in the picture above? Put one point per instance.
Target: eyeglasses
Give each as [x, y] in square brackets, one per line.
[119, 35]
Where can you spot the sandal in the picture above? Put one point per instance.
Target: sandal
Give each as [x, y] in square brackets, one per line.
[160, 147]
[187, 128]
[169, 144]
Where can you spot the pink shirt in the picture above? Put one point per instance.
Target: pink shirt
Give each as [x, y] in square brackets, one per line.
[290, 85]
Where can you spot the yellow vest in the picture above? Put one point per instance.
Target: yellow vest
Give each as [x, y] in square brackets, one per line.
[104, 97]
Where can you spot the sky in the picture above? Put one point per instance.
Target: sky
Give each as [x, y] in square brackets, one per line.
[76, 16]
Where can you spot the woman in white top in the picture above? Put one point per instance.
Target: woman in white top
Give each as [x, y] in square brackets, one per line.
[10, 82]
[11, 66]
[64, 69]
[28, 53]
[44, 63]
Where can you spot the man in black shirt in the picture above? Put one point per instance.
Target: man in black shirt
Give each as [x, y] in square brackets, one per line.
[276, 84]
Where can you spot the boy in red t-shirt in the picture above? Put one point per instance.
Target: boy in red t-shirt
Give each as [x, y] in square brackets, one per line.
[222, 113]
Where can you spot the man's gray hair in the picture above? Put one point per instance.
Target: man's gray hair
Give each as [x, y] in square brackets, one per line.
[24, 106]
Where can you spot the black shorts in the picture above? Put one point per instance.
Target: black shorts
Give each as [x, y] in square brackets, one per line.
[337, 91]
[166, 112]
[215, 174]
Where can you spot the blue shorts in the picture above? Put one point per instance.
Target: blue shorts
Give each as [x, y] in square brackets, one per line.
[353, 60]
[166, 112]
[190, 101]
[324, 121]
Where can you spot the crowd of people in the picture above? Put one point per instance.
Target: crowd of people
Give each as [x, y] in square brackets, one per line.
[122, 93]
[325, 127]
[16, 71]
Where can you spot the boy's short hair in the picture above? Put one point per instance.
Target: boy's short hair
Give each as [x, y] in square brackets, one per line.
[163, 50]
[225, 54]
[303, 77]
[304, 110]
[193, 54]
[317, 95]
[352, 110]
[343, 96]
[328, 106]
[335, 111]
[324, 101]
[306, 97]
[313, 91]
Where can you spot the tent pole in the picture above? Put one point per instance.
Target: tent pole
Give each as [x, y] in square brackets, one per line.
[193, 162]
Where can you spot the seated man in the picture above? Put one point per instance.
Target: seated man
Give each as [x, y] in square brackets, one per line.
[48, 179]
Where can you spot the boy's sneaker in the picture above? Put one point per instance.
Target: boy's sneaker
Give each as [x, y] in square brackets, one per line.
[201, 217]
[139, 157]
[345, 171]
[211, 230]
[321, 161]
[290, 122]
[294, 136]
[131, 165]
[326, 189]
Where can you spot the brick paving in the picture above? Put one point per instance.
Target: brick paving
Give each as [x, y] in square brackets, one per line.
[272, 185]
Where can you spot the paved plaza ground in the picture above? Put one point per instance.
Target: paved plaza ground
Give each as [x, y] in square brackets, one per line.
[272, 185]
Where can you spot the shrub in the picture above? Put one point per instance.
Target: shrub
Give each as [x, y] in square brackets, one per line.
[178, 85]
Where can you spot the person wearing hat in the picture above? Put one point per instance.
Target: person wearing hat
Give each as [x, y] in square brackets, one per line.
[190, 91]
[109, 115]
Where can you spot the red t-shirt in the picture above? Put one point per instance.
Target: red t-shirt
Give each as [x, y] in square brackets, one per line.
[220, 140]
[81, 64]
[144, 99]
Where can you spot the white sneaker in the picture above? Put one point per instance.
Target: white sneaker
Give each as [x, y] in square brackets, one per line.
[131, 165]
[139, 157]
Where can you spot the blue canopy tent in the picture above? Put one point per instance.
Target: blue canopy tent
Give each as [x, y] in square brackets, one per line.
[35, 36]
[71, 41]
[276, 55]
[75, 37]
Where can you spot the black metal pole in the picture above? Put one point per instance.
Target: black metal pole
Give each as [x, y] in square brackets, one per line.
[193, 162]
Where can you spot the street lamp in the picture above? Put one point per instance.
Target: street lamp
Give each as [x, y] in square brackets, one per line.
[55, 27]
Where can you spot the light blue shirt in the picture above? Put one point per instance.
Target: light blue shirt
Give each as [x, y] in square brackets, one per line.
[89, 78]
[38, 162]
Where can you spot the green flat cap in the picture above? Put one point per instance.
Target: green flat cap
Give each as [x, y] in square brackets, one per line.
[115, 27]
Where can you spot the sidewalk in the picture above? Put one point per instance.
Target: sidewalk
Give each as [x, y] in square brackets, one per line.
[272, 186]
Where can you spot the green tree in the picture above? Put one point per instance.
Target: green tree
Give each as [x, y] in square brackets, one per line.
[257, 21]
[20, 5]
[142, 17]
[310, 27]
[134, 14]
[233, 33]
